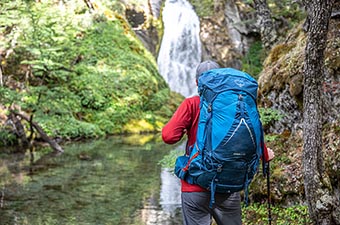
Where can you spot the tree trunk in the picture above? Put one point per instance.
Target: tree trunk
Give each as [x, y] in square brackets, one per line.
[266, 25]
[89, 4]
[321, 202]
[1, 82]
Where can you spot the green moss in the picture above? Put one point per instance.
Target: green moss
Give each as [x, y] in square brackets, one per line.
[284, 62]
[138, 126]
[279, 51]
[203, 7]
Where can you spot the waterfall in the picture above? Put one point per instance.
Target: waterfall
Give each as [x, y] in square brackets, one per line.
[180, 51]
[155, 6]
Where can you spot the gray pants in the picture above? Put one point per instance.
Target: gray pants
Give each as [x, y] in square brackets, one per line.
[196, 211]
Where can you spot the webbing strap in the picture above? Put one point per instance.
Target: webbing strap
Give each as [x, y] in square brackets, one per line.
[207, 132]
[241, 105]
[189, 161]
[212, 192]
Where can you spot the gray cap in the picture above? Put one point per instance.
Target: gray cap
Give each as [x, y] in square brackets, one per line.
[205, 66]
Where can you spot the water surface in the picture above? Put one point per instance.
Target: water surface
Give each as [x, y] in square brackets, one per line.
[112, 181]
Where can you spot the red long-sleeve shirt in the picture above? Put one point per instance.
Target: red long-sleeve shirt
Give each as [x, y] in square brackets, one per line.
[185, 121]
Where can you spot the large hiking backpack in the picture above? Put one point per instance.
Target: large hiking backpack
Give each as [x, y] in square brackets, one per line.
[229, 141]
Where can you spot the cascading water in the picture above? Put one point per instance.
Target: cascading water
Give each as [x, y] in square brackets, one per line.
[180, 51]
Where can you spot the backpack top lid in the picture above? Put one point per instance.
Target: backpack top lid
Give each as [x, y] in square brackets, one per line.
[222, 79]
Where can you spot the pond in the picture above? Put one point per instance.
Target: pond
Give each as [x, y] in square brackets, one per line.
[112, 181]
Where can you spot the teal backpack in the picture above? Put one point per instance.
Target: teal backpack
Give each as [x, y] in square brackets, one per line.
[229, 142]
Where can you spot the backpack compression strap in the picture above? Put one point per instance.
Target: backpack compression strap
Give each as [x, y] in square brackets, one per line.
[209, 94]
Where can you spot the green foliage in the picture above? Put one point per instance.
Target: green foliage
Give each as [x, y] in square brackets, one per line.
[122, 80]
[83, 75]
[48, 35]
[291, 11]
[8, 96]
[7, 138]
[169, 160]
[269, 115]
[258, 214]
[203, 7]
[252, 61]
[68, 126]
[271, 138]
[156, 103]
[10, 17]
[284, 11]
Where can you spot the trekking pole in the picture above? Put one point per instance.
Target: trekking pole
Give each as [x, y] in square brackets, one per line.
[268, 193]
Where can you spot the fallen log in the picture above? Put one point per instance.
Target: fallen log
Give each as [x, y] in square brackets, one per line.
[54, 145]
[19, 130]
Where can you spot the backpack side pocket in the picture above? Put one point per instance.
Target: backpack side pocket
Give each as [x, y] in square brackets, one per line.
[181, 163]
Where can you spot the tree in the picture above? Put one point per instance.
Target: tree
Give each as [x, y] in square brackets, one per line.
[266, 25]
[318, 191]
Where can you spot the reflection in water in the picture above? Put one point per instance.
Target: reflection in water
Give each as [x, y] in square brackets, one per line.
[168, 212]
[170, 191]
[99, 182]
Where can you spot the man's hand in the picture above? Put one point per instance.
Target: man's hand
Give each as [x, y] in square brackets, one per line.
[271, 154]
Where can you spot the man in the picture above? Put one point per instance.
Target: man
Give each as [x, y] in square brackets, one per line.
[195, 199]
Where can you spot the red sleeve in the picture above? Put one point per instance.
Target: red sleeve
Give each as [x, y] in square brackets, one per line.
[184, 120]
[174, 130]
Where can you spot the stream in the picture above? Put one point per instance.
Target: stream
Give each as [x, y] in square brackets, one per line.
[117, 180]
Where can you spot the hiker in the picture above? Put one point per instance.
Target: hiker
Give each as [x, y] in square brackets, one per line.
[195, 199]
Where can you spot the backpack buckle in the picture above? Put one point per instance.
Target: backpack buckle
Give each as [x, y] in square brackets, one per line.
[219, 168]
[209, 108]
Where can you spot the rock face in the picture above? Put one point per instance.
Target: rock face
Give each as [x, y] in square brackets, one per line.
[281, 88]
[225, 37]
[281, 81]
[145, 21]
[217, 43]
[241, 33]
